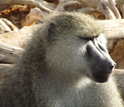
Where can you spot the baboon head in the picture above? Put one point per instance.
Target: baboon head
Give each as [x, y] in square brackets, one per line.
[78, 47]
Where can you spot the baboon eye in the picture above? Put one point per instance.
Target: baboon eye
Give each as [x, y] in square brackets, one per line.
[102, 48]
[86, 38]
[98, 44]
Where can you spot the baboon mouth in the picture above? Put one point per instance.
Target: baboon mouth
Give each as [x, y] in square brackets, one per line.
[101, 78]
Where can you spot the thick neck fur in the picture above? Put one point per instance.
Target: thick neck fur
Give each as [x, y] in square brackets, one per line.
[70, 91]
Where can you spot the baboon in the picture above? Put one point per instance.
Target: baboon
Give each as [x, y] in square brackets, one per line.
[66, 64]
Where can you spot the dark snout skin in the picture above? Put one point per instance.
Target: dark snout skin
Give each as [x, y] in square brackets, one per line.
[101, 64]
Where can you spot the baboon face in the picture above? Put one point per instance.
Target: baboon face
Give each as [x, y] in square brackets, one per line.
[77, 54]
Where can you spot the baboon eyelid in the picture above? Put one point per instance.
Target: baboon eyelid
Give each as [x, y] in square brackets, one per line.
[86, 38]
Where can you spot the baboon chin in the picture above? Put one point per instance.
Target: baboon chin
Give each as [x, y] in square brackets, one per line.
[66, 64]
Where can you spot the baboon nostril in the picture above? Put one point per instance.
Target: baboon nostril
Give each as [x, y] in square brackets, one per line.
[111, 67]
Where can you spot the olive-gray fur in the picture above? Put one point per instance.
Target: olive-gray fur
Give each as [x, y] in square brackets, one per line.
[53, 71]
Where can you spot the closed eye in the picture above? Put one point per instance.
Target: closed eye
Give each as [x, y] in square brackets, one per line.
[86, 38]
[99, 45]
[102, 48]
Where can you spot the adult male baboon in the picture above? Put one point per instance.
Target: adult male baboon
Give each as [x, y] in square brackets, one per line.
[66, 64]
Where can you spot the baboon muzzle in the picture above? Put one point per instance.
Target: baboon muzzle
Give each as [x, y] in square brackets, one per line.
[101, 64]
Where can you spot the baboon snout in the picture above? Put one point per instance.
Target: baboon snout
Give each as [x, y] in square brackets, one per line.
[101, 64]
[102, 69]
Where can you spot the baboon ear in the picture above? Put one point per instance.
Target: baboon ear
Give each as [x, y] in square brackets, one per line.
[51, 32]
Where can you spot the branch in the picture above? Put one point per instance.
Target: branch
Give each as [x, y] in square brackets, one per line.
[113, 28]
[63, 3]
[35, 14]
[114, 9]
[106, 11]
[10, 25]
[3, 27]
[122, 10]
[9, 54]
[35, 3]
[20, 38]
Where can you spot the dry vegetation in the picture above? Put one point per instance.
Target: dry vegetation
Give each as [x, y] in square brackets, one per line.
[19, 18]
